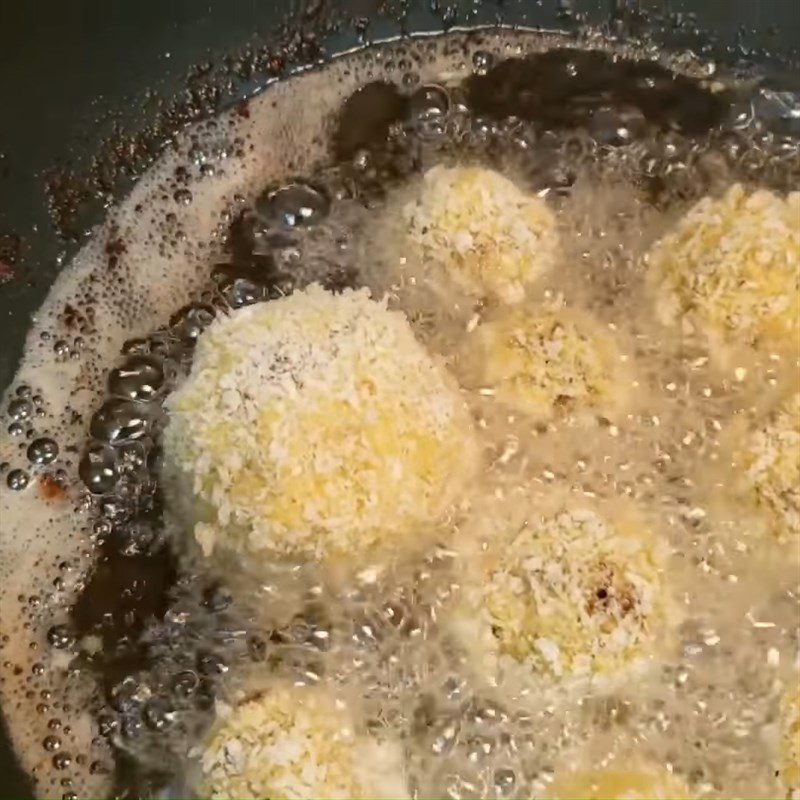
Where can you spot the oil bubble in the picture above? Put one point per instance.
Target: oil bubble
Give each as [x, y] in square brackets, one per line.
[121, 421]
[98, 468]
[60, 637]
[20, 409]
[42, 451]
[292, 206]
[17, 479]
[140, 378]
[191, 321]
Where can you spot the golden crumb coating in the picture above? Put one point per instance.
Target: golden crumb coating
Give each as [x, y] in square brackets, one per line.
[731, 268]
[541, 361]
[569, 593]
[296, 742]
[768, 465]
[317, 424]
[490, 237]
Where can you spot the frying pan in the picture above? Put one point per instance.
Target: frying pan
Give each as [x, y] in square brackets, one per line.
[70, 74]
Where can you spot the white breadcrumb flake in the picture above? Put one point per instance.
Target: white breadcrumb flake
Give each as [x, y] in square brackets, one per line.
[542, 361]
[490, 237]
[316, 424]
[731, 268]
[769, 470]
[790, 740]
[649, 783]
[569, 594]
[296, 742]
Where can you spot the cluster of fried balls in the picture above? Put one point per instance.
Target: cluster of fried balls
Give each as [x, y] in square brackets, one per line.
[318, 426]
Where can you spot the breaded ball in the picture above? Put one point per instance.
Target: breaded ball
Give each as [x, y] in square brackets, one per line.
[768, 464]
[648, 784]
[569, 593]
[490, 237]
[297, 742]
[731, 269]
[316, 424]
[541, 361]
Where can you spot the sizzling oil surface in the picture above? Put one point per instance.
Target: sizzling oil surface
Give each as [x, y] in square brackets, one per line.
[94, 592]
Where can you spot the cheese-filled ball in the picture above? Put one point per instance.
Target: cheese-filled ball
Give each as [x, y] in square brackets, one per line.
[316, 424]
[297, 742]
[491, 238]
[730, 268]
[768, 470]
[564, 594]
[542, 362]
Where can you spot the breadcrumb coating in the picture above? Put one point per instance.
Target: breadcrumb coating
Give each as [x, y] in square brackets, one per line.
[769, 470]
[297, 743]
[565, 594]
[490, 237]
[731, 268]
[317, 424]
[542, 361]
